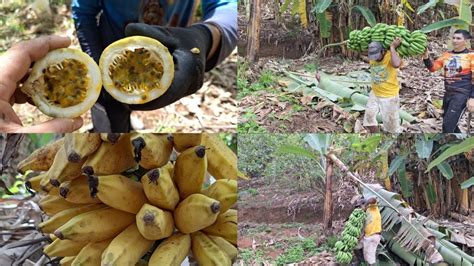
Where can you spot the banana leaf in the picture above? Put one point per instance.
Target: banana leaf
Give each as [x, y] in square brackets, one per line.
[445, 170]
[367, 13]
[468, 183]
[444, 24]
[321, 6]
[466, 145]
[426, 6]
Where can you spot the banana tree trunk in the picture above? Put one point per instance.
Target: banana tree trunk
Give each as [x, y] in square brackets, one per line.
[327, 215]
[253, 32]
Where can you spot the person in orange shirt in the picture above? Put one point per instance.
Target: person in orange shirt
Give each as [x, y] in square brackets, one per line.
[458, 66]
[384, 95]
[372, 231]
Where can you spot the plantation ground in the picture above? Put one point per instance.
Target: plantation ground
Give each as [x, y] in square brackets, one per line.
[213, 108]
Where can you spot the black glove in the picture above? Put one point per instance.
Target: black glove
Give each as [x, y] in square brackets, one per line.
[188, 67]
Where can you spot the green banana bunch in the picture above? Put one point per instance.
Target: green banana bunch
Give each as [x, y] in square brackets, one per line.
[350, 236]
[412, 44]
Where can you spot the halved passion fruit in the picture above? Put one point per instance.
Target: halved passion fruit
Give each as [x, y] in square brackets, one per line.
[136, 70]
[65, 83]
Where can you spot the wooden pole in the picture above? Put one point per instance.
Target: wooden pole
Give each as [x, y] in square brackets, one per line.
[253, 32]
[327, 215]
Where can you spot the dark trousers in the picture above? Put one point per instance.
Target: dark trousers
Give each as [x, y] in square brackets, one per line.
[110, 115]
[454, 105]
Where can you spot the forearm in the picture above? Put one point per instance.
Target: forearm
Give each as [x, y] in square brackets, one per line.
[395, 59]
[221, 19]
[84, 14]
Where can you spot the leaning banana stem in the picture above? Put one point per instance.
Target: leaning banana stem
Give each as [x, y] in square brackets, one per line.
[355, 177]
[138, 145]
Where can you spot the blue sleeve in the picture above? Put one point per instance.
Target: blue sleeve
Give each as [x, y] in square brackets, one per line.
[223, 15]
[84, 13]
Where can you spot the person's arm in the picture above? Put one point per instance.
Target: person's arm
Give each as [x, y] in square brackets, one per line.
[84, 13]
[395, 59]
[470, 102]
[433, 66]
[220, 17]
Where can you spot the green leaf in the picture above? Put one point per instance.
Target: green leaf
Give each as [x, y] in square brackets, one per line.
[289, 149]
[284, 7]
[324, 25]
[321, 6]
[368, 15]
[426, 6]
[423, 147]
[443, 24]
[294, 8]
[431, 193]
[405, 184]
[395, 164]
[468, 183]
[330, 96]
[446, 170]
[465, 13]
[319, 142]
[466, 145]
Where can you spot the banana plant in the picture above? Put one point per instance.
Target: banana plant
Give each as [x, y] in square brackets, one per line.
[465, 146]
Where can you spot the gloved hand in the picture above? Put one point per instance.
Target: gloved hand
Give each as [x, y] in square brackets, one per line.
[470, 105]
[189, 67]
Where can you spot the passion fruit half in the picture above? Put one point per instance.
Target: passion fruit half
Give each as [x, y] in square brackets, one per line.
[136, 70]
[65, 83]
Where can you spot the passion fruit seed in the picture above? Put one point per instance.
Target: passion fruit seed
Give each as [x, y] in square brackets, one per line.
[64, 84]
[136, 71]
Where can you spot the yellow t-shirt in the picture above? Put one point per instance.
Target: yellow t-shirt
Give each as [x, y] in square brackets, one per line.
[384, 77]
[373, 224]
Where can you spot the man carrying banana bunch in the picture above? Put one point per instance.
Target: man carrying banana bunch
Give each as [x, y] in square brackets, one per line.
[370, 238]
[458, 66]
[385, 87]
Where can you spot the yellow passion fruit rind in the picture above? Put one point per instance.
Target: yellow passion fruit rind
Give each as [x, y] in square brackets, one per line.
[136, 70]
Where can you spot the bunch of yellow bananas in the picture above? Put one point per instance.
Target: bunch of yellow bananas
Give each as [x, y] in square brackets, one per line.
[110, 197]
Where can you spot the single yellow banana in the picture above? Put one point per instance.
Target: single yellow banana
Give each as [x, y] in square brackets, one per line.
[80, 145]
[63, 248]
[127, 248]
[195, 213]
[45, 183]
[91, 254]
[225, 226]
[160, 189]
[52, 204]
[226, 246]
[190, 170]
[172, 251]
[207, 252]
[170, 168]
[62, 217]
[110, 158]
[154, 223]
[222, 160]
[223, 190]
[77, 191]
[152, 151]
[33, 183]
[118, 191]
[183, 141]
[42, 158]
[67, 261]
[96, 225]
[63, 170]
[111, 137]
